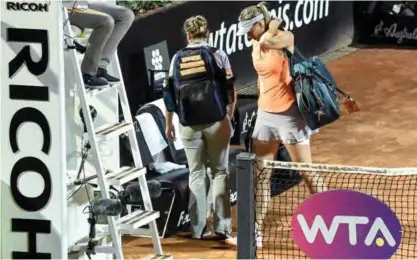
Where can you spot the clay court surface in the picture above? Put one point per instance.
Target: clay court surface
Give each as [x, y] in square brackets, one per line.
[383, 134]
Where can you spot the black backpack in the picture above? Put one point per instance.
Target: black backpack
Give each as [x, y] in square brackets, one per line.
[199, 86]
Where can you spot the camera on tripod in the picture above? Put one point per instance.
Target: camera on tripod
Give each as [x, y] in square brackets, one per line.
[132, 194]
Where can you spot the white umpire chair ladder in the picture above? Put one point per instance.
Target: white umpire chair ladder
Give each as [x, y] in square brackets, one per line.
[133, 221]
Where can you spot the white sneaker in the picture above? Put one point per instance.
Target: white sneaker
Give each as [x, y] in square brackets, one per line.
[232, 241]
[259, 240]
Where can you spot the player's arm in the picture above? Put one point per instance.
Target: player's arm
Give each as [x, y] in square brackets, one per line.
[282, 40]
[230, 76]
[170, 102]
[234, 103]
[277, 39]
[272, 29]
[270, 33]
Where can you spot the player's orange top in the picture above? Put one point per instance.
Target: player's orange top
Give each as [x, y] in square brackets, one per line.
[276, 93]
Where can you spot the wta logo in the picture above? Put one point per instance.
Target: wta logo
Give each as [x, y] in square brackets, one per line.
[345, 224]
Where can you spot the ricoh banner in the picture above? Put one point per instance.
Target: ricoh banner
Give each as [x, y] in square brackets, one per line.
[33, 191]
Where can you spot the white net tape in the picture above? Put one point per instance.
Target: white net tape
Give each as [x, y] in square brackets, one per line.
[314, 167]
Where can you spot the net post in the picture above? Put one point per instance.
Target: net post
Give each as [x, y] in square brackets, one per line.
[245, 206]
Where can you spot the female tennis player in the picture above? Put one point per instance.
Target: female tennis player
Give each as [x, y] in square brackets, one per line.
[278, 119]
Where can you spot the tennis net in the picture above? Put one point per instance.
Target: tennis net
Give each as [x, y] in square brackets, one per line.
[282, 188]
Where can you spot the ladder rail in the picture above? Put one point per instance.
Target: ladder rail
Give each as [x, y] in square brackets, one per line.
[127, 114]
[137, 157]
[104, 189]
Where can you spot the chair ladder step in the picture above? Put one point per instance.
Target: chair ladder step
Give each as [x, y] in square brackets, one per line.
[137, 219]
[105, 249]
[114, 130]
[82, 40]
[124, 175]
[91, 93]
[82, 244]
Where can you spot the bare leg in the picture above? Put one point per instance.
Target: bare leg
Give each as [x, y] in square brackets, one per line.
[301, 152]
[264, 150]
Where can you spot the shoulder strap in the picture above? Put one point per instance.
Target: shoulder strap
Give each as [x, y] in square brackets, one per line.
[293, 57]
[291, 61]
[297, 54]
[189, 49]
[175, 62]
[213, 49]
[210, 51]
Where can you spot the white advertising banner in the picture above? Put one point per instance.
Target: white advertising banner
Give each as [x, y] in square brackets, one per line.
[33, 189]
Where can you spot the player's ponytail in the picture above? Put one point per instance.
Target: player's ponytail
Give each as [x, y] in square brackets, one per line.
[262, 7]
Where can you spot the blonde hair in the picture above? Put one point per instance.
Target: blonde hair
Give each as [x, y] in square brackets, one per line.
[196, 26]
[255, 10]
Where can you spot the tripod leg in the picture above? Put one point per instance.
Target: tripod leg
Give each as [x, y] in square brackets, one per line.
[91, 236]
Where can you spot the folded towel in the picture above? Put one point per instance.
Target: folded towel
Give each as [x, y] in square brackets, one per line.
[165, 167]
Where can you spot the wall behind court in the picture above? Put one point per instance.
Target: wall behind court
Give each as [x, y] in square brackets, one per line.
[377, 24]
[318, 25]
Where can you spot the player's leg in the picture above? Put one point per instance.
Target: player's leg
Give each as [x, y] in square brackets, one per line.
[301, 152]
[264, 150]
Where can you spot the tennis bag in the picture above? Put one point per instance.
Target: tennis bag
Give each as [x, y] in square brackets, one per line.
[315, 90]
[200, 87]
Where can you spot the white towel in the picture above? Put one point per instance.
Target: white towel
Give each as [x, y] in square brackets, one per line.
[165, 167]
